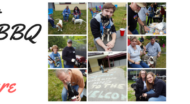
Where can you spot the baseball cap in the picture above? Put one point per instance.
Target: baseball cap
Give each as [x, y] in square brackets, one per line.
[69, 41]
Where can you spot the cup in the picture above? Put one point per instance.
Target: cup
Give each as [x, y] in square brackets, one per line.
[122, 31]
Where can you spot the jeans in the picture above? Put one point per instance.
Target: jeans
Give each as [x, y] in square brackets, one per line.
[64, 92]
[159, 98]
[141, 65]
[65, 16]
[102, 70]
[149, 18]
[76, 16]
[51, 22]
[68, 66]
[135, 32]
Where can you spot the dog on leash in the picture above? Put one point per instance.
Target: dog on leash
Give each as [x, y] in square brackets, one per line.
[77, 20]
[105, 71]
[59, 25]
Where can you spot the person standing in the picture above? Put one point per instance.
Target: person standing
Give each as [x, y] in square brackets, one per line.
[142, 15]
[68, 55]
[150, 14]
[66, 12]
[101, 66]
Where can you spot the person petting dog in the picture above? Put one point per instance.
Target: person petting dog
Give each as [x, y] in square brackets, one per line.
[141, 85]
[134, 53]
[155, 88]
[153, 49]
[76, 12]
[55, 58]
[97, 28]
[66, 12]
[74, 77]
[133, 18]
[68, 55]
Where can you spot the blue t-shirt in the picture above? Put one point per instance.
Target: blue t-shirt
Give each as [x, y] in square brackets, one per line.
[153, 49]
[151, 11]
[56, 57]
[134, 54]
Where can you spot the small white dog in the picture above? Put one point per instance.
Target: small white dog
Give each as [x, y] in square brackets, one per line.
[77, 20]
[59, 25]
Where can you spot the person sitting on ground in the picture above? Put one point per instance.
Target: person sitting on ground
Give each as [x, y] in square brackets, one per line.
[134, 53]
[76, 12]
[73, 76]
[66, 12]
[153, 49]
[51, 21]
[155, 88]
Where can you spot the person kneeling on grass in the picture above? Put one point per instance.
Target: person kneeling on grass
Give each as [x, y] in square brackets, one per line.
[97, 27]
[66, 12]
[153, 49]
[54, 58]
[68, 55]
[155, 88]
[51, 21]
[74, 77]
[134, 53]
[76, 12]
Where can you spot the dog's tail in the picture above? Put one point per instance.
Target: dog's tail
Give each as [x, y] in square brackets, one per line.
[84, 21]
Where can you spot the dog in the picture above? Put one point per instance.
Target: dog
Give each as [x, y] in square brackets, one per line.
[150, 62]
[105, 22]
[59, 25]
[77, 20]
[105, 71]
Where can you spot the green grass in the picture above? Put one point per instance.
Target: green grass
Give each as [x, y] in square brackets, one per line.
[131, 92]
[161, 61]
[118, 16]
[55, 87]
[62, 61]
[68, 27]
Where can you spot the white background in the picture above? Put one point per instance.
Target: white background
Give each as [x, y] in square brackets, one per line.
[25, 64]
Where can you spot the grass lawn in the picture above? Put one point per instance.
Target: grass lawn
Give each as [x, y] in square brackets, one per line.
[55, 87]
[68, 27]
[118, 16]
[161, 61]
[131, 92]
[61, 62]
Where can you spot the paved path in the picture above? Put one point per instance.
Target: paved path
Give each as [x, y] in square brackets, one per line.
[110, 86]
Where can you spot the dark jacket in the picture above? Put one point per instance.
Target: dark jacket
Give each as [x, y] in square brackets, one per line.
[159, 88]
[68, 53]
[139, 91]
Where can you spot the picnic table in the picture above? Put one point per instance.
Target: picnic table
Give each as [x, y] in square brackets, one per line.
[120, 43]
[154, 30]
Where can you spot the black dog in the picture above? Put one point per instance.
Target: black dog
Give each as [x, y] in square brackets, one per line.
[72, 92]
[138, 92]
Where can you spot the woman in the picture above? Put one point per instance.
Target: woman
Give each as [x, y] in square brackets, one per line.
[141, 85]
[134, 53]
[150, 13]
[101, 66]
[156, 88]
[76, 12]
[66, 13]
[54, 58]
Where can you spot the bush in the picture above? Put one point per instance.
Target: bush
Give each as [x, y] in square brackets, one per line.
[162, 40]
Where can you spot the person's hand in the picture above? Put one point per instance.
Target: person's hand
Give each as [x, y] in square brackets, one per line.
[158, 55]
[110, 44]
[144, 53]
[146, 28]
[107, 49]
[78, 98]
[50, 62]
[144, 95]
[72, 60]
[137, 63]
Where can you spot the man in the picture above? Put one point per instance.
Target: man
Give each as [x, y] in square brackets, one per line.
[155, 7]
[133, 18]
[68, 55]
[74, 77]
[66, 13]
[51, 21]
[153, 49]
[96, 26]
[142, 15]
